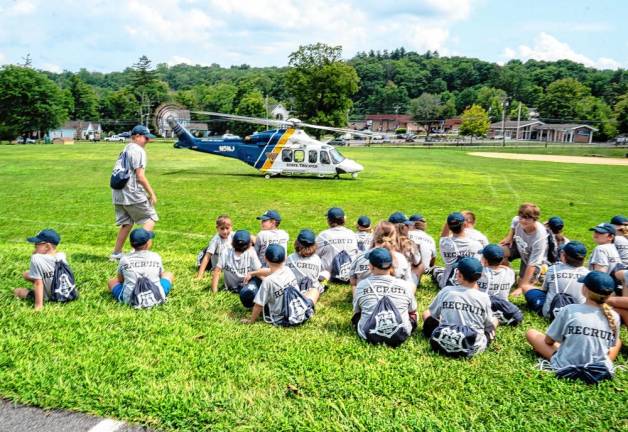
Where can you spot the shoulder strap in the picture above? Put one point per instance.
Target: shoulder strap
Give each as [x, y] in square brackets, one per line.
[556, 283]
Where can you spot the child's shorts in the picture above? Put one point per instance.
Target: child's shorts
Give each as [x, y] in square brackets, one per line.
[117, 290]
[536, 299]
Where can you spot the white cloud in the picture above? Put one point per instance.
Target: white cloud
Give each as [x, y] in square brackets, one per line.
[547, 47]
[51, 67]
[22, 7]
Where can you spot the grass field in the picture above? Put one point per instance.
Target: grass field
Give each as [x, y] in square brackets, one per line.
[190, 365]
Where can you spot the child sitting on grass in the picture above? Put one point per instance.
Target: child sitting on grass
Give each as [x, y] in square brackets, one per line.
[42, 267]
[583, 341]
[305, 263]
[221, 241]
[364, 233]
[270, 234]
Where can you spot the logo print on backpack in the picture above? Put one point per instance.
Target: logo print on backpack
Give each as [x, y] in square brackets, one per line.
[146, 299]
[65, 286]
[449, 339]
[385, 324]
[297, 310]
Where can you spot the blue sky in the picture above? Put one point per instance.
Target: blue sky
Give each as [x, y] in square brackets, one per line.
[108, 35]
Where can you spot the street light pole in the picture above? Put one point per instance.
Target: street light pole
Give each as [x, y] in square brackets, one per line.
[504, 106]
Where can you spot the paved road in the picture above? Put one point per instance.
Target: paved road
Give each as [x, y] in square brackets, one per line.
[19, 418]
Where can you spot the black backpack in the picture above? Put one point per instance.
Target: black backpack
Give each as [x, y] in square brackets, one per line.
[63, 286]
[591, 373]
[341, 267]
[121, 173]
[506, 312]
[146, 294]
[385, 325]
[454, 340]
[296, 309]
[560, 300]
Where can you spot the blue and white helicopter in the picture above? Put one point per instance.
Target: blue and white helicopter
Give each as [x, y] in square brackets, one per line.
[287, 150]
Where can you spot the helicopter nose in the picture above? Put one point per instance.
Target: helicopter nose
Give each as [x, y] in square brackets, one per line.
[350, 166]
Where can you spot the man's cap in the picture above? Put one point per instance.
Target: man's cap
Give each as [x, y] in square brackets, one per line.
[604, 228]
[270, 214]
[380, 258]
[470, 268]
[555, 223]
[241, 238]
[575, 249]
[306, 237]
[140, 236]
[399, 217]
[417, 218]
[275, 253]
[455, 219]
[598, 282]
[142, 130]
[493, 252]
[335, 213]
[46, 236]
[619, 220]
[364, 221]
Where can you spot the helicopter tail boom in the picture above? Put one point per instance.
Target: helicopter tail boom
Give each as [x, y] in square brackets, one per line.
[186, 139]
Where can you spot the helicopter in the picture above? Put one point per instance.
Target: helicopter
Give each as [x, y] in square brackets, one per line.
[285, 151]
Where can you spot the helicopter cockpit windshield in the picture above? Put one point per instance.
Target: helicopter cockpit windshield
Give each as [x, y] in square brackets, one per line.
[336, 156]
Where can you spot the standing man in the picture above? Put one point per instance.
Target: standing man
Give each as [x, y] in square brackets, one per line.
[135, 202]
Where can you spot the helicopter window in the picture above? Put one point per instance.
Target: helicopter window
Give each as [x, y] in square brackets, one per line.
[299, 155]
[313, 156]
[324, 157]
[286, 155]
[336, 156]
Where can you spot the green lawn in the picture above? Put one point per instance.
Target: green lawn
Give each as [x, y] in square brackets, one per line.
[190, 365]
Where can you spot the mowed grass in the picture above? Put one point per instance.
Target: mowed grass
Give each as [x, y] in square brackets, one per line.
[191, 365]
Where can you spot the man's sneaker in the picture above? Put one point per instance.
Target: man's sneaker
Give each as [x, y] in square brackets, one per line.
[116, 256]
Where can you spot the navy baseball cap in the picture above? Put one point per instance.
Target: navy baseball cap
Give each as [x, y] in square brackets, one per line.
[306, 237]
[470, 268]
[142, 130]
[275, 253]
[493, 252]
[140, 236]
[335, 213]
[241, 238]
[556, 223]
[417, 218]
[575, 249]
[619, 220]
[455, 219]
[270, 214]
[364, 221]
[380, 258]
[46, 236]
[598, 282]
[604, 228]
[398, 217]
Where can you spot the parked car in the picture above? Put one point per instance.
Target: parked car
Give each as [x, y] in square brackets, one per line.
[338, 142]
[377, 137]
[24, 140]
[115, 138]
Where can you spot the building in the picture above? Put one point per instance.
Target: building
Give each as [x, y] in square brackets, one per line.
[279, 112]
[76, 130]
[451, 125]
[536, 130]
[391, 122]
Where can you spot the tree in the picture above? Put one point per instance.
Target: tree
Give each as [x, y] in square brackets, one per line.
[321, 85]
[29, 101]
[143, 75]
[251, 105]
[119, 110]
[561, 99]
[426, 110]
[388, 99]
[492, 100]
[475, 122]
[514, 113]
[600, 115]
[84, 100]
[219, 97]
[621, 113]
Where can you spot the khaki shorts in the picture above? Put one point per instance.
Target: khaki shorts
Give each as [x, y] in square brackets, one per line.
[135, 214]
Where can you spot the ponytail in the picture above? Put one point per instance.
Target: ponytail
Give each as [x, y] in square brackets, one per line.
[608, 313]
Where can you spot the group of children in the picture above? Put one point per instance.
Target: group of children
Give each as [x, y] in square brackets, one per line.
[384, 265]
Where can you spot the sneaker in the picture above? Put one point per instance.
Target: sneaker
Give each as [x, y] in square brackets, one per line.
[115, 256]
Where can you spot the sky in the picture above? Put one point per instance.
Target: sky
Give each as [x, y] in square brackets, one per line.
[109, 35]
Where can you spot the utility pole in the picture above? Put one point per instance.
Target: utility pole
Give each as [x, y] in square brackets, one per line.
[266, 106]
[518, 119]
[504, 106]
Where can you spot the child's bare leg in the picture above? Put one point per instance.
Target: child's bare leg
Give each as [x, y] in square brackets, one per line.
[21, 293]
[426, 314]
[149, 225]
[537, 340]
[122, 236]
[112, 282]
[168, 275]
[27, 277]
[313, 294]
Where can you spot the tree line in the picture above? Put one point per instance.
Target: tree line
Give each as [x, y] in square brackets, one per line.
[318, 86]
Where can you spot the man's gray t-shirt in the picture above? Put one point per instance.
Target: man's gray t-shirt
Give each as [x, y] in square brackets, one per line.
[305, 267]
[497, 281]
[458, 305]
[42, 267]
[133, 192]
[332, 241]
[267, 237]
[605, 255]
[453, 248]
[532, 247]
[236, 265]
[360, 267]
[426, 245]
[563, 278]
[370, 290]
[270, 294]
[584, 335]
[217, 245]
[477, 235]
[137, 264]
[621, 244]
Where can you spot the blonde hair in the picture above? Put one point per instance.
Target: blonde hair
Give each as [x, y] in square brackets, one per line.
[606, 309]
[385, 235]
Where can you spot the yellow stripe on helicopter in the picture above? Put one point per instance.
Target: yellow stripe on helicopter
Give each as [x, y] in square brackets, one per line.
[270, 159]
